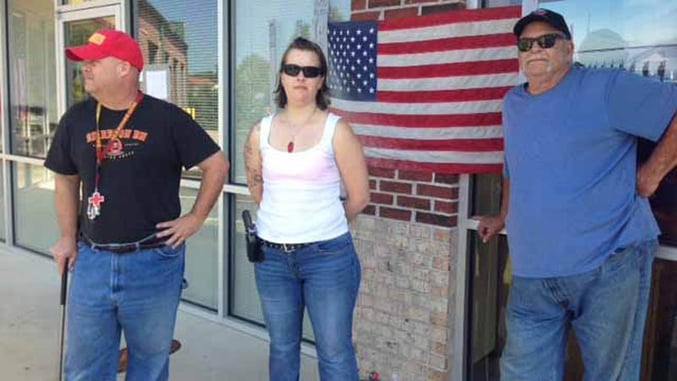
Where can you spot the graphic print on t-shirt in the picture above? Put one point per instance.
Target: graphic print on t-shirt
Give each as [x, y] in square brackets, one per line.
[133, 139]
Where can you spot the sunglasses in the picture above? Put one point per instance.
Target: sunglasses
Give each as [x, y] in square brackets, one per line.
[545, 41]
[308, 71]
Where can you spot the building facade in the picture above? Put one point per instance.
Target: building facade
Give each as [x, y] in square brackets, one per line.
[432, 297]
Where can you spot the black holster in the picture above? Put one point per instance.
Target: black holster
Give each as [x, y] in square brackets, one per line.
[254, 250]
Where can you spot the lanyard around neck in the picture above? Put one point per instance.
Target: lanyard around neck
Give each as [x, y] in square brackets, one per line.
[101, 152]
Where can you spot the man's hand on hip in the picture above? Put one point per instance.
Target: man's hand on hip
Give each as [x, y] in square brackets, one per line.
[65, 247]
[180, 229]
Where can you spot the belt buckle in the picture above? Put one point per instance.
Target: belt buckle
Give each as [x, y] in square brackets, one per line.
[122, 249]
[286, 248]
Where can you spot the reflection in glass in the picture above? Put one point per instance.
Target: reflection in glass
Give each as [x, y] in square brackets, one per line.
[179, 42]
[489, 279]
[499, 3]
[202, 257]
[661, 359]
[73, 1]
[244, 296]
[486, 191]
[640, 37]
[34, 216]
[78, 33]
[265, 28]
[32, 76]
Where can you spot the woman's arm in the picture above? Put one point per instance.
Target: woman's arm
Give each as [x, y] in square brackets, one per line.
[252, 162]
[353, 168]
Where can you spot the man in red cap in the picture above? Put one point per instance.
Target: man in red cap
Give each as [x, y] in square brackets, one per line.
[124, 239]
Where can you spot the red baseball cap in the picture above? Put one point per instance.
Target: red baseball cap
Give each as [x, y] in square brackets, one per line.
[108, 43]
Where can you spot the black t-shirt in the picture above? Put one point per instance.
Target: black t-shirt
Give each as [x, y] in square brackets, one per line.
[139, 177]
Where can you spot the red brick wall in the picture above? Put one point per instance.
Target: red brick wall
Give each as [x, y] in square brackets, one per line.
[424, 197]
[386, 9]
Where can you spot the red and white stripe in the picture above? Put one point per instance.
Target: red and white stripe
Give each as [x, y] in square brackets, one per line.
[441, 79]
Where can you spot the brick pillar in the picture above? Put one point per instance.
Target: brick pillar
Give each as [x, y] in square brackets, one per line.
[407, 247]
[406, 239]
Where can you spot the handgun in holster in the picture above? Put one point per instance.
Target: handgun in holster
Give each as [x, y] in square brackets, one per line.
[254, 250]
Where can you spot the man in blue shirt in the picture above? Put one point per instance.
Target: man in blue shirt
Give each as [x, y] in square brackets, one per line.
[581, 233]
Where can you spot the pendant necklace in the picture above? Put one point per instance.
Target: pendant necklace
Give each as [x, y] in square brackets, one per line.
[290, 145]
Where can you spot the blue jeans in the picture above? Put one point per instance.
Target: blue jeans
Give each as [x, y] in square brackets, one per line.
[325, 278]
[606, 308]
[136, 293]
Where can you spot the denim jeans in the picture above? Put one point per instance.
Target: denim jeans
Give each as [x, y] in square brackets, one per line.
[606, 308]
[136, 293]
[325, 278]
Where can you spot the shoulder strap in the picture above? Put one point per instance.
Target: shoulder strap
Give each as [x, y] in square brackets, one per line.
[266, 122]
[329, 129]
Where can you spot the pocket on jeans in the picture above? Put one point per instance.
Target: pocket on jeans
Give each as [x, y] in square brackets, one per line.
[168, 251]
[336, 245]
[82, 256]
[618, 254]
[622, 259]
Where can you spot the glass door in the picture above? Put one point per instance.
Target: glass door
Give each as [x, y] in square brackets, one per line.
[74, 28]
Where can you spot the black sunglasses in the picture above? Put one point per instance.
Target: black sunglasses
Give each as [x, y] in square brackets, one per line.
[545, 41]
[308, 71]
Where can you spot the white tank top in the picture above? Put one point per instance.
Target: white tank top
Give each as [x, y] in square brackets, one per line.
[301, 191]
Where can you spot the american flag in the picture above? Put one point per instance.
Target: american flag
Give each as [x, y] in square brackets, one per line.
[424, 93]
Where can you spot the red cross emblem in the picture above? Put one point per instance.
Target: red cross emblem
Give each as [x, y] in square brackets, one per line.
[96, 199]
[116, 147]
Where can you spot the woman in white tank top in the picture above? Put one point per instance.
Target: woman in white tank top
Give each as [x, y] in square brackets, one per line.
[296, 161]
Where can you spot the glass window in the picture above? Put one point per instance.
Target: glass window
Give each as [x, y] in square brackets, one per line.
[264, 28]
[638, 36]
[486, 190]
[244, 297]
[489, 277]
[202, 257]
[500, 3]
[33, 190]
[77, 33]
[179, 41]
[32, 76]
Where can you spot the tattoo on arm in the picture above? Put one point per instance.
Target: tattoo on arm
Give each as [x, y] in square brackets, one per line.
[253, 165]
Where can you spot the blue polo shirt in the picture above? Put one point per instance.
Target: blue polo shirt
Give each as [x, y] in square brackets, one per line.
[570, 156]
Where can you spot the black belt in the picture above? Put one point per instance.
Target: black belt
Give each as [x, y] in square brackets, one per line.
[123, 247]
[286, 247]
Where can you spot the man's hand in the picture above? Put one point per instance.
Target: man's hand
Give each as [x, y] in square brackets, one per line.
[647, 182]
[180, 229]
[490, 226]
[64, 248]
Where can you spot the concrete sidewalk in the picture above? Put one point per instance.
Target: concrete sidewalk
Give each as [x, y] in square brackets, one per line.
[29, 319]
